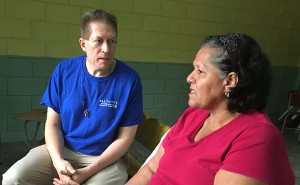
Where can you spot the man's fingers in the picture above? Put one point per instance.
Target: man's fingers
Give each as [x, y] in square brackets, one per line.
[60, 182]
[71, 170]
[64, 172]
[68, 171]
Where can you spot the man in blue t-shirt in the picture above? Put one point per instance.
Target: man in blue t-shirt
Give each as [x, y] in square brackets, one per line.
[94, 106]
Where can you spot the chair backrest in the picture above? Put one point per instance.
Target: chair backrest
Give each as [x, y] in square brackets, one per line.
[294, 99]
[150, 132]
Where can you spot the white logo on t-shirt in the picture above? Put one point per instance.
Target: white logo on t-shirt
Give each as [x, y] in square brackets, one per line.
[108, 103]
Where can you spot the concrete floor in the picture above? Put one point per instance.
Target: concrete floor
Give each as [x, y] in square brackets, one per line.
[293, 148]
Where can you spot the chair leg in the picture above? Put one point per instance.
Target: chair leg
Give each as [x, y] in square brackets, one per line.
[298, 130]
[284, 122]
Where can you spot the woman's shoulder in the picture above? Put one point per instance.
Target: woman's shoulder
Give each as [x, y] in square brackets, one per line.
[256, 119]
[258, 124]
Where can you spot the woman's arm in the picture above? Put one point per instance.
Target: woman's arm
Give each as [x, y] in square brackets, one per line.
[155, 149]
[224, 177]
[144, 174]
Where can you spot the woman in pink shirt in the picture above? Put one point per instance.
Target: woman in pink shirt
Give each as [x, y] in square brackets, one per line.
[224, 137]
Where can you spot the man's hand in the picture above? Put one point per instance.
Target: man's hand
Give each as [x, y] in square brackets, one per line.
[65, 177]
[69, 171]
[71, 176]
[81, 175]
[65, 172]
[65, 182]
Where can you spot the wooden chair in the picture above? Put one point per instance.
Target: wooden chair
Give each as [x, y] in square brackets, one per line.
[147, 138]
[35, 115]
[292, 111]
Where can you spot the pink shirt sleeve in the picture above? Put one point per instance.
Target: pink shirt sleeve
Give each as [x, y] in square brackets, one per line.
[263, 148]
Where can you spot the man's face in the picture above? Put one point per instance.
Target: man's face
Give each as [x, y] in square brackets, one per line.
[101, 46]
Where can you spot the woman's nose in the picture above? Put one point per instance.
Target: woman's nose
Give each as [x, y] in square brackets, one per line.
[189, 78]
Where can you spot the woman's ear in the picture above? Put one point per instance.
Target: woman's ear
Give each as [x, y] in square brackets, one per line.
[82, 44]
[231, 80]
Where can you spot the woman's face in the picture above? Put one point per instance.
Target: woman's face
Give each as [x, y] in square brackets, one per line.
[206, 86]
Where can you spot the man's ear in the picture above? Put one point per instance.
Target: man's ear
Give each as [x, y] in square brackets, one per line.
[82, 44]
[231, 81]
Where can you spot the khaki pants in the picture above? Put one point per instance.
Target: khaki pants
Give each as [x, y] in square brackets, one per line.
[36, 168]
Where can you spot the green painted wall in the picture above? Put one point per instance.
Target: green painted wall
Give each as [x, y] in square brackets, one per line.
[151, 31]
[158, 38]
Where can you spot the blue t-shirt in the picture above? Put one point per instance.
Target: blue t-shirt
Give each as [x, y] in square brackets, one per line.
[112, 101]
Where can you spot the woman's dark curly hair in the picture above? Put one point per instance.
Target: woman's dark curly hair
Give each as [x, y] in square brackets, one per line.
[241, 54]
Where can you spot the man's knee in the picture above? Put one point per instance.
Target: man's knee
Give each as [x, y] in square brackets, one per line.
[12, 176]
[35, 165]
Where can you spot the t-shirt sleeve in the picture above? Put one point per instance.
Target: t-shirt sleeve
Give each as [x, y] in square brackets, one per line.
[134, 110]
[51, 94]
[256, 152]
[169, 135]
